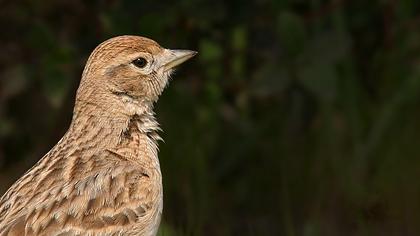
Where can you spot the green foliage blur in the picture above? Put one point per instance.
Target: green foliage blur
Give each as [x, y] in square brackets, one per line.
[296, 118]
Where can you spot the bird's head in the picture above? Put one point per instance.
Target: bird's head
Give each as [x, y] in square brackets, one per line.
[127, 72]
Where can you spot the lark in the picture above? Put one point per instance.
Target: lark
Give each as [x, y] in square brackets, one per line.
[103, 177]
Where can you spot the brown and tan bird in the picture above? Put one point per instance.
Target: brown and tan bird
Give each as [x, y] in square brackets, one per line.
[103, 177]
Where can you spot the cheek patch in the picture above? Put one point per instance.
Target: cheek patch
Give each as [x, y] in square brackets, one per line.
[120, 71]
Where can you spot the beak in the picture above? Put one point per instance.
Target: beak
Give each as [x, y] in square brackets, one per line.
[173, 58]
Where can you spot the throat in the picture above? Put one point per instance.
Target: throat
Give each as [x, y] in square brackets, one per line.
[145, 125]
[102, 130]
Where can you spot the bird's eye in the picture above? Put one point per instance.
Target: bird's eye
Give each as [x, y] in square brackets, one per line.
[140, 62]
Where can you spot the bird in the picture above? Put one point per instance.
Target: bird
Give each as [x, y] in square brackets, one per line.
[103, 177]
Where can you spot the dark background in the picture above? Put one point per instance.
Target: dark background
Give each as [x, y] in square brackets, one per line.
[296, 118]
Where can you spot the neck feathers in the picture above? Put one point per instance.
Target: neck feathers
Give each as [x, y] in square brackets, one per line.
[146, 124]
[110, 129]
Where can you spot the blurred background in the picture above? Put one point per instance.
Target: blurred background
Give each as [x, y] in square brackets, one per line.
[296, 118]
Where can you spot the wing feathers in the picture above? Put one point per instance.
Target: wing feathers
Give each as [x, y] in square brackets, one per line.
[99, 201]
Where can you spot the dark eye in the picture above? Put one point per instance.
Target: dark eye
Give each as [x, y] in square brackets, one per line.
[140, 62]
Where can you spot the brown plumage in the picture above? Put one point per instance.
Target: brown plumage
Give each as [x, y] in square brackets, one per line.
[103, 177]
